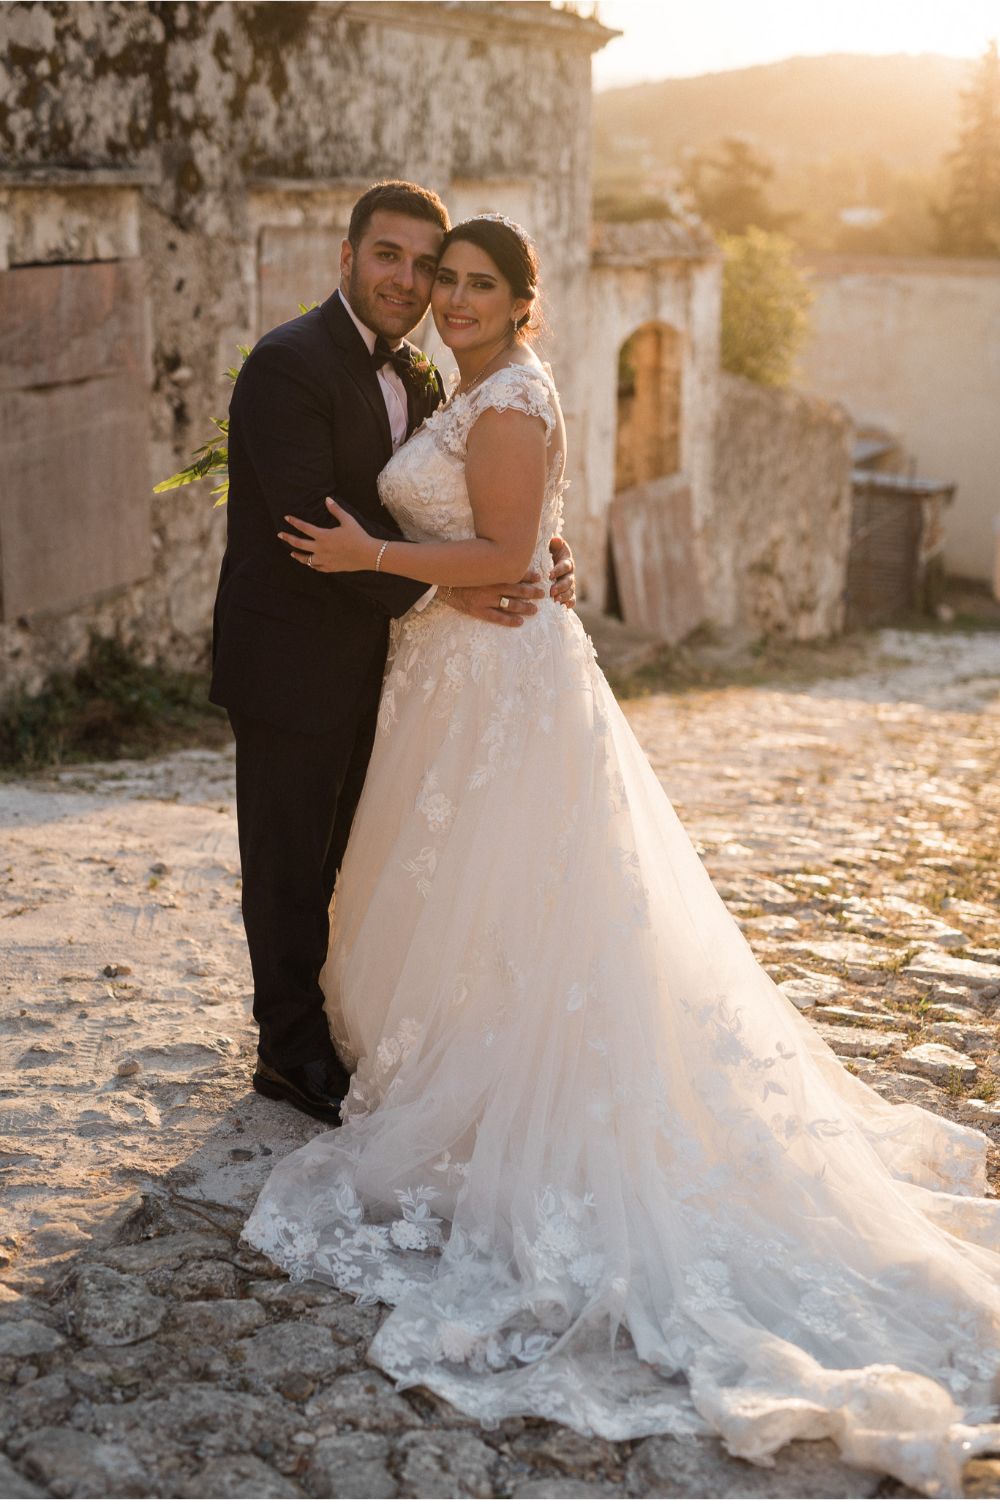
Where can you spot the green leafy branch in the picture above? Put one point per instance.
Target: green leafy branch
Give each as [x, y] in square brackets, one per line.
[211, 460]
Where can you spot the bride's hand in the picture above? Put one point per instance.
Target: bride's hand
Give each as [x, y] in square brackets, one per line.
[344, 548]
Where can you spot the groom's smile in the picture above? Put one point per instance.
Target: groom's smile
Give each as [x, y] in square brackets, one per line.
[387, 277]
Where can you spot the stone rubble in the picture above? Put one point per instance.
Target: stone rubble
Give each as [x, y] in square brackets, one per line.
[860, 1041]
[932, 965]
[939, 1063]
[145, 1351]
[810, 990]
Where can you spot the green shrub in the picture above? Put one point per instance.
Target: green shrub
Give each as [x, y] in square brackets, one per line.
[765, 307]
[112, 705]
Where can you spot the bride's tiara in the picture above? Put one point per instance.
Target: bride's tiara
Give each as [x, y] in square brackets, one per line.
[514, 228]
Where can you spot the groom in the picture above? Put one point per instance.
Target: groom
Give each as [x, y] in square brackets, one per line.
[318, 409]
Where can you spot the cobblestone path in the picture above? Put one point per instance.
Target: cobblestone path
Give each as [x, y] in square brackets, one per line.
[852, 827]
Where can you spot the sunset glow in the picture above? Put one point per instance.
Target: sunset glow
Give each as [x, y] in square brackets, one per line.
[664, 39]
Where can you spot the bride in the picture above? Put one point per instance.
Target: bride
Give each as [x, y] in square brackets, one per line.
[602, 1171]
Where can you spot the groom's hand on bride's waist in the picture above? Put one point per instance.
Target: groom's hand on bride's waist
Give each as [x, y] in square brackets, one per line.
[500, 603]
[510, 603]
[563, 574]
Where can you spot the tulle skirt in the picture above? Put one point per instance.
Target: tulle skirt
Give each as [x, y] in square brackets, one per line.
[597, 1164]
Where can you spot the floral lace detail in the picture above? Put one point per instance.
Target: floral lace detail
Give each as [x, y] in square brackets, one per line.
[438, 810]
[478, 1321]
[523, 388]
[437, 653]
[424, 484]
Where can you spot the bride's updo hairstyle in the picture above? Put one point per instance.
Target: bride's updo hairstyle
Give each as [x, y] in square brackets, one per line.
[515, 257]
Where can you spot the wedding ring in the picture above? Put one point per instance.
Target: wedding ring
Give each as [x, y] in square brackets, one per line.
[504, 602]
[309, 561]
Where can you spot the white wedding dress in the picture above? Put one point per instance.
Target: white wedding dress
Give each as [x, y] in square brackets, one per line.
[600, 1167]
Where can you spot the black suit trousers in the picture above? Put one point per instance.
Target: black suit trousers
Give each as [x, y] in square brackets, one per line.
[296, 795]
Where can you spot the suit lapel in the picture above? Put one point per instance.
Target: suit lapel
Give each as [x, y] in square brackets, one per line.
[357, 362]
[414, 403]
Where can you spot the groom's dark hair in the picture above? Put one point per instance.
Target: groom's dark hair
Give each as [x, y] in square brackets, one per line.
[397, 198]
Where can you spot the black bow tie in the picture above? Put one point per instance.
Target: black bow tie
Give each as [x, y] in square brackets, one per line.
[398, 358]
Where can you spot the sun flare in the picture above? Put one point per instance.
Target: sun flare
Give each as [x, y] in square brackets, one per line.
[668, 40]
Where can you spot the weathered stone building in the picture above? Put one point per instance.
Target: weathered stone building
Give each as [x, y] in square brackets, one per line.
[177, 178]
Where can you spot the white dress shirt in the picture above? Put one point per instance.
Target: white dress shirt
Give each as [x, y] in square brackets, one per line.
[394, 395]
[392, 387]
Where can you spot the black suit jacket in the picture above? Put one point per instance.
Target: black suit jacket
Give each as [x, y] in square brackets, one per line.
[307, 419]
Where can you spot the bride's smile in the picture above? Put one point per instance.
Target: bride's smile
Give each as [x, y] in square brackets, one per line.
[474, 307]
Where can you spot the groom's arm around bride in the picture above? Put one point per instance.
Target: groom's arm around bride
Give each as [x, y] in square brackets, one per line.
[298, 656]
[307, 419]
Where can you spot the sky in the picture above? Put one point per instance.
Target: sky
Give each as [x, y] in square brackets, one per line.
[676, 38]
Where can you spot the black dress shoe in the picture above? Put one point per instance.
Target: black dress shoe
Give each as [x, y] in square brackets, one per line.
[316, 1088]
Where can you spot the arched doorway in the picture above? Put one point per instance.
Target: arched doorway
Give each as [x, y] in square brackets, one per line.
[649, 406]
[648, 439]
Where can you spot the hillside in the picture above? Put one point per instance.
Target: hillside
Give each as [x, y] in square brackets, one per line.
[804, 110]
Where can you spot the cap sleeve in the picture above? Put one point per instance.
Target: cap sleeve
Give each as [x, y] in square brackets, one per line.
[514, 388]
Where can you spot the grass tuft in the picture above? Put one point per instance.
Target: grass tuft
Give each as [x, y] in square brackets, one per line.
[111, 706]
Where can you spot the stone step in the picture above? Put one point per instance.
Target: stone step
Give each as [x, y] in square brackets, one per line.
[943, 968]
[938, 1062]
[859, 1041]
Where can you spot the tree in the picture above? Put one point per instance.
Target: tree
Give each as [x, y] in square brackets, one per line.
[765, 307]
[729, 185]
[969, 223]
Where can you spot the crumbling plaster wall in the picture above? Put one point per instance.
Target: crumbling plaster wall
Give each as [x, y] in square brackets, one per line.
[780, 531]
[187, 121]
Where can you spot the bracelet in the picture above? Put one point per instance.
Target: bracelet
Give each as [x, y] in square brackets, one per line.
[378, 560]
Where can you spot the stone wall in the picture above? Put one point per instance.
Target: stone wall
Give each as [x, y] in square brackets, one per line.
[914, 346]
[217, 149]
[779, 533]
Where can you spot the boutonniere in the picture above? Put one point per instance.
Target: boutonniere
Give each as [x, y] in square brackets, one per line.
[424, 373]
